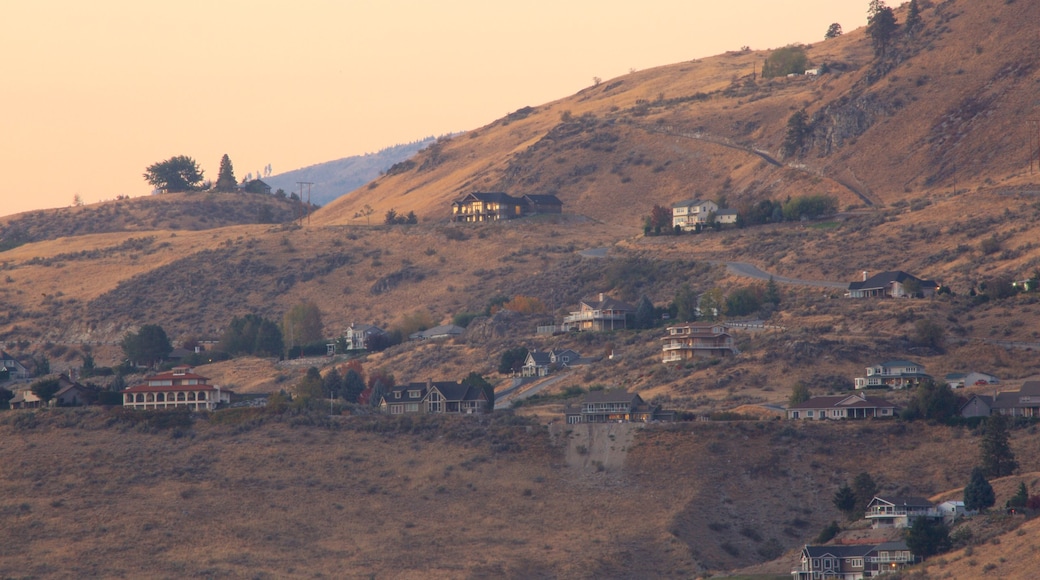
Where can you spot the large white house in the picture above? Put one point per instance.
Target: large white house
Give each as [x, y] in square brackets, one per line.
[897, 374]
[687, 214]
[177, 388]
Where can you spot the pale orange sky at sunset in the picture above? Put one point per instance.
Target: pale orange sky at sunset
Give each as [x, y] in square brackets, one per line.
[94, 92]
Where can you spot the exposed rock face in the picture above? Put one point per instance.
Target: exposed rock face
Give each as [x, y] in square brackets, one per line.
[499, 325]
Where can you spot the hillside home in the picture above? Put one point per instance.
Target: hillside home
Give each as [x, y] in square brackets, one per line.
[256, 186]
[605, 313]
[485, 207]
[691, 212]
[952, 510]
[356, 336]
[896, 284]
[977, 406]
[698, 340]
[971, 379]
[616, 406]
[72, 394]
[541, 363]
[896, 374]
[24, 398]
[899, 512]
[726, 216]
[852, 562]
[854, 406]
[1024, 402]
[438, 332]
[14, 369]
[177, 388]
[434, 397]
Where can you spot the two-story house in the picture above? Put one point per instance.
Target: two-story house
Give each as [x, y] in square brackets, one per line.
[495, 206]
[438, 397]
[896, 374]
[176, 388]
[604, 313]
[697, 339]
[11, 368]
[356, 336]
[540, 363]
[617, 406]
[687, 214]
[1024, 402]
[899, 511]
[852, 562]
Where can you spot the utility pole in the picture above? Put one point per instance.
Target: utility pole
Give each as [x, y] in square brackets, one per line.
[1034, 144]
[308, 208]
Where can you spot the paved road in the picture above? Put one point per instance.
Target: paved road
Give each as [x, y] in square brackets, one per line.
[750, 271]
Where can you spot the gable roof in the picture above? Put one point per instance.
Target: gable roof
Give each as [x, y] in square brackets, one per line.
[839, 551]
[488, 197]
[883, 279]
[605, 302]
[539, 358]
[542, 199]
[615, 396]
[691, 203]
[902, 501]
[854, 401]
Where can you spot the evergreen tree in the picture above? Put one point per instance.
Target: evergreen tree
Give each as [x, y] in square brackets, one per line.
[179, 173]
[797, 131]
[881, 25]
[997, 458]
[685, 304]
[1021, 496]
[46, 389]
[865, 488]
[353, 385]
[913, 18]
[310, 387]
[475, 379]
[148, 345]
[833, 31]
[928, 537]
[226, 175]
[772, 292]
[845, 501]
[978, 494]
[332, 384]
[644, 315]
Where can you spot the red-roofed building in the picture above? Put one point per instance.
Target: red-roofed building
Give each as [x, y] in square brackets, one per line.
[177, 388]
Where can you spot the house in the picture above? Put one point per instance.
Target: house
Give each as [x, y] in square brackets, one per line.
[434, 397]
[852, 562]
[698, 339]
[688, 214]
[356, 336]
[953, 509]
[971, 379]
[1024, 402]
[495, 206]
[176, 388]
[616, 406]
[977, 406]
[13, 368]
[854, 406]
[605, 313]
[72, 394]
[726, 216]
[540, 363]
[256, 186]
[896, 374]
[442, 331]
[896, 284]
[899, 511]
[25, 399]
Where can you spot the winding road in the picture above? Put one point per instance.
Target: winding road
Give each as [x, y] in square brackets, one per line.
[751, 271]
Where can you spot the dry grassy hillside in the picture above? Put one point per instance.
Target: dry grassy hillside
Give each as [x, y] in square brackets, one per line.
[100, 493]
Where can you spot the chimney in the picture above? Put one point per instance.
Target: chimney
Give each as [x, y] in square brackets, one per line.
[602, 297]
[864, 275]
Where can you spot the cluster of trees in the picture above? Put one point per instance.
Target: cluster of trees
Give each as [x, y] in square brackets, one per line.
[852, 500]
[181, 173]
[252, 335]
[148, 346]
[882, 25]
[784, 61]
[392, 218]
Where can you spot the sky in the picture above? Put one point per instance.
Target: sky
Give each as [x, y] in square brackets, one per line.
[92, 93]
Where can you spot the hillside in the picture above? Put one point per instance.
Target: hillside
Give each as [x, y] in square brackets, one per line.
[435, 498]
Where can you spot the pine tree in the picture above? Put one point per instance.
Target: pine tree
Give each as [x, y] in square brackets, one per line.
[928, 537]
[797, 131]
[226, 176]
[997, 458]
[1021, 496]
[913, 19]
[978, 494]
[845, 501]
[881, 25]
[866, 488]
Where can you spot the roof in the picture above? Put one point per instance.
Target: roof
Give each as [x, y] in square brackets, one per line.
[607, 303]
[460, 392]
[988, 400]
[899, 363]
[442, 330]
[855, 401]
[691, 202]
[539, 358]
[1030, 391]
[175, 375]
[838, 551]
[903, 501]
[543, 199]
[615, 396]
[883, 279]
[151, 389]
[488, 197]
[367, 328]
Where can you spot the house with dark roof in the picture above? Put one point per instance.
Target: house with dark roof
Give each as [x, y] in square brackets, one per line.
[603, 313]
[437, 397]
[442, 331]
[899, 511]
[854, 406]
[176, 388]
[852, 562]
[896, 374]
[1024, 402]
[617, 406]
[73, 394]
[697, 340]
[970, 379]
[690, 213]
[541, 363]
[495, 206]
[976, 406]
[356, 336]
[896, 284]
[11, 368]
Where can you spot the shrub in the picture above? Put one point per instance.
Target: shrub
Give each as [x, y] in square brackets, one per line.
[784, 61]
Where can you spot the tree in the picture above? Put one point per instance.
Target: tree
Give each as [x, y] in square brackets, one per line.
[391, 217]
[865, 488]
[148, 346]
[46, 389]
[881, 25]
[833, 31]
[772, 292]
[797, 131]
[5, 398]
[411, 218]
[644, 315]
[302, 325]
[475, 379]
[1021, 496]
[252, 334]
[978, 494]
[179, 173]
[997, 458]
[512, 360]
[799, 394]
[309, 386]
[226, 176]
[928, 537]
[660, 218]
[784, 61]
[88, 368]
[913, 19]
[827, 534]
[685, 303]
[744, 301]
[845, 500]
[933, 401]
[332, 384]
[711, 304]
[353, 383]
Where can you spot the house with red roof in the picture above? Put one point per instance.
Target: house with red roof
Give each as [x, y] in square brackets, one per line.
[176, 388]
[855, 406]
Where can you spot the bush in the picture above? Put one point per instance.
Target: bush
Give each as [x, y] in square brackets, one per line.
[784, 61]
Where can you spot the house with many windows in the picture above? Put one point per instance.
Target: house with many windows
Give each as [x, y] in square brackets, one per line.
[495, 206]
[697, 340]
[688, 214]
[899, 511]
[617, 406]
[438, 397]
[603, 313]
[541, 363]
[356, 336]
[1024, 402]
[176, 388]
[896, 374]
[11, 368]
[852, 562]
[854, 406]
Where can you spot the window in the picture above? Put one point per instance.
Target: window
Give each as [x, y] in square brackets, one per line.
[413, 394]
[411, 408]
[809, 413]
[397, 394]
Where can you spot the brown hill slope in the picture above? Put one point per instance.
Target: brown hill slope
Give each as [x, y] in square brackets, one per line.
[302, 495]
[947, 107]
